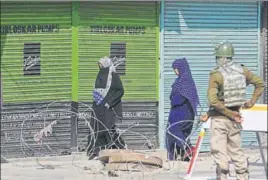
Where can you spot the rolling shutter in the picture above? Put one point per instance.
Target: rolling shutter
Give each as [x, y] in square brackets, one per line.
[35, 75]
[128, 30]
[192, 29]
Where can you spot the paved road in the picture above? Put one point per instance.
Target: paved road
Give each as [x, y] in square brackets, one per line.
[73, 168]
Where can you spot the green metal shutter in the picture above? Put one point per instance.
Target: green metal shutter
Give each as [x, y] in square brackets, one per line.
[54, 83]
[35, 99]
[140, 79]
[141, 66]
[191, 29]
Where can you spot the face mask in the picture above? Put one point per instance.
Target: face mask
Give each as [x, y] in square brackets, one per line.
[221, 61]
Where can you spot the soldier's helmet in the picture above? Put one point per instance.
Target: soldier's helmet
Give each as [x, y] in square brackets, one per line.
[224, 49]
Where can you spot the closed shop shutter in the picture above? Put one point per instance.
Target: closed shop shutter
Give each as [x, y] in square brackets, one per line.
[265, 47]
[191, 29]
[129, 30]
[36, 56]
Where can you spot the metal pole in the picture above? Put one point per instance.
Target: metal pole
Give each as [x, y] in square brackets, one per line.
[262, 154]
[161, 119]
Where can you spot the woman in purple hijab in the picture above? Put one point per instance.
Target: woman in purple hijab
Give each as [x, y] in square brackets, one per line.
[184, 101]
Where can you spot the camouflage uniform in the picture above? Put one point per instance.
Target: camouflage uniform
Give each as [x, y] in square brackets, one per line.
[225, 132]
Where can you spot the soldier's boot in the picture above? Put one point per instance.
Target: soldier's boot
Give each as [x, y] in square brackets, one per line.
[222, 174]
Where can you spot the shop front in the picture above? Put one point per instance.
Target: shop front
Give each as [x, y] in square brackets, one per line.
[49, 55]
[36, 57]
[192, 29]
[129, 32]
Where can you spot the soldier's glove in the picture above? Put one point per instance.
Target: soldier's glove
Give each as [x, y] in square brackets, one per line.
[248, 104]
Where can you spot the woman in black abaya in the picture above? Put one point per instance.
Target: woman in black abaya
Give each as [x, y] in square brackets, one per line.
[107, 107]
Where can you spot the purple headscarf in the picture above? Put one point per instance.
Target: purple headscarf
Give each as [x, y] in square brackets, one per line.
[185, 84]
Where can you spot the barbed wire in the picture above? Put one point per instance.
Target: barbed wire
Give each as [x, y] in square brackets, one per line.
[42, 144]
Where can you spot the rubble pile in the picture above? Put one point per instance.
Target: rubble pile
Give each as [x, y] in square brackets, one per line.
[127, 160]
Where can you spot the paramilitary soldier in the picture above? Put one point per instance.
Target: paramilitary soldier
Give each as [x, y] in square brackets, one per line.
[227, 94]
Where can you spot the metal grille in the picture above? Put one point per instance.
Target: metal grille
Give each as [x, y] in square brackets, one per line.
[31, 58]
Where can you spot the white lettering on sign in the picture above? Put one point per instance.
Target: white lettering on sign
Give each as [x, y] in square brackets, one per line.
[84, 115]
[34, 116]
[146, 114]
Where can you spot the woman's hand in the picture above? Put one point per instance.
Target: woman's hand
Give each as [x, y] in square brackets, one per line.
[107, 105]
